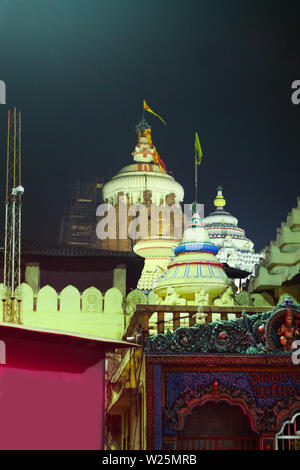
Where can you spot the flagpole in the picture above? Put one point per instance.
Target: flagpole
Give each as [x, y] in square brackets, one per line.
[196, 178]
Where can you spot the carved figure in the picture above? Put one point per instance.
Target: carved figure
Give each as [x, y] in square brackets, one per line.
[288, 331]
[201, 316]
[201, 297]
[172, 298]
[226, 298]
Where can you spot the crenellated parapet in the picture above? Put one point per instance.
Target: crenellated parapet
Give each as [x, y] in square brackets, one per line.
[89, 312]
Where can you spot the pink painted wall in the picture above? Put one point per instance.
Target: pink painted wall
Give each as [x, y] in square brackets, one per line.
[51, 394]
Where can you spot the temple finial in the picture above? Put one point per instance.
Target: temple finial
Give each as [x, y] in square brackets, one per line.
[141, 126]
[219, 201]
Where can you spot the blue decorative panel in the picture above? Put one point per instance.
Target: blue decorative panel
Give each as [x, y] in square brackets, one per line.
[157, 407]
[265, 388]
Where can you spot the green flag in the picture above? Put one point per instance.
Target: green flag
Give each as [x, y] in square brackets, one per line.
[198, 149]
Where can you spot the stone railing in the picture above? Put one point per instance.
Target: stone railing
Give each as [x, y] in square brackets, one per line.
[158, 318]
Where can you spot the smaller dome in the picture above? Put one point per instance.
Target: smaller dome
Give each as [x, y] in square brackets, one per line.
[195, 231]
[224, 232]
[195, 239]
[194, 267]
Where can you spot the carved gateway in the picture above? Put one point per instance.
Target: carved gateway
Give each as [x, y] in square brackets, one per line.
[243, 362]
[267, 389]
[265, 405]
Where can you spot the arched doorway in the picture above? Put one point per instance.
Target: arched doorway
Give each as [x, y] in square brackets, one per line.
[288, 437]
[217, 426]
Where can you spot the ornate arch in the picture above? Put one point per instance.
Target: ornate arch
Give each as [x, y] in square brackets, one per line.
[284, 421]
[216, 396]
[215, 392]
[266, 419]
[287, 415]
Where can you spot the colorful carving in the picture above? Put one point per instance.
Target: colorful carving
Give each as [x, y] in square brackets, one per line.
[266, 386]
[283, 326]
[288, 332]
[238, 336]
[264, 418]
[250, 334]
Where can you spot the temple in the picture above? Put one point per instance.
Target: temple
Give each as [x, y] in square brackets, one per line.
[234, 248]
[195, 362]
[217, 367]
[145, 182]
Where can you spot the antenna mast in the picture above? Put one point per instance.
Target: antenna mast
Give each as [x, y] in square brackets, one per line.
[13, 207]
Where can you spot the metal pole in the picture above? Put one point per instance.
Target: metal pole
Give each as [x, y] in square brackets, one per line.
[13, 219]
[5, 256]
[13, 258]
[12, 313]
[15, 146]
[6, 221]
[196, 178]
[19, 261]
[20, 224]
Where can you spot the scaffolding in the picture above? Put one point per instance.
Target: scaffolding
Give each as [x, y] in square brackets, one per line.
[79, 219]
[13, 219]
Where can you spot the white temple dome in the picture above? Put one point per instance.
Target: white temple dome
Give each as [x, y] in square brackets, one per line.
[235, 248]
[144, 175]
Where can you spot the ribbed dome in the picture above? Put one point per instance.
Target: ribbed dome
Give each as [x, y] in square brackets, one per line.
[234, 247]
[222, 227]
[145, 175]
[222, 218]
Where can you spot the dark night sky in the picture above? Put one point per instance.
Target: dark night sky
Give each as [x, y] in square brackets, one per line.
[79, 69]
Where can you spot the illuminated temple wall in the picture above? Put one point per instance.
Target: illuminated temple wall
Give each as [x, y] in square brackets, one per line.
[88, 312]
[278, 273]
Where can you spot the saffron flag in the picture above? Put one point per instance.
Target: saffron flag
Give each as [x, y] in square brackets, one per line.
[146, 107]
[156, 158]
[198, 149]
